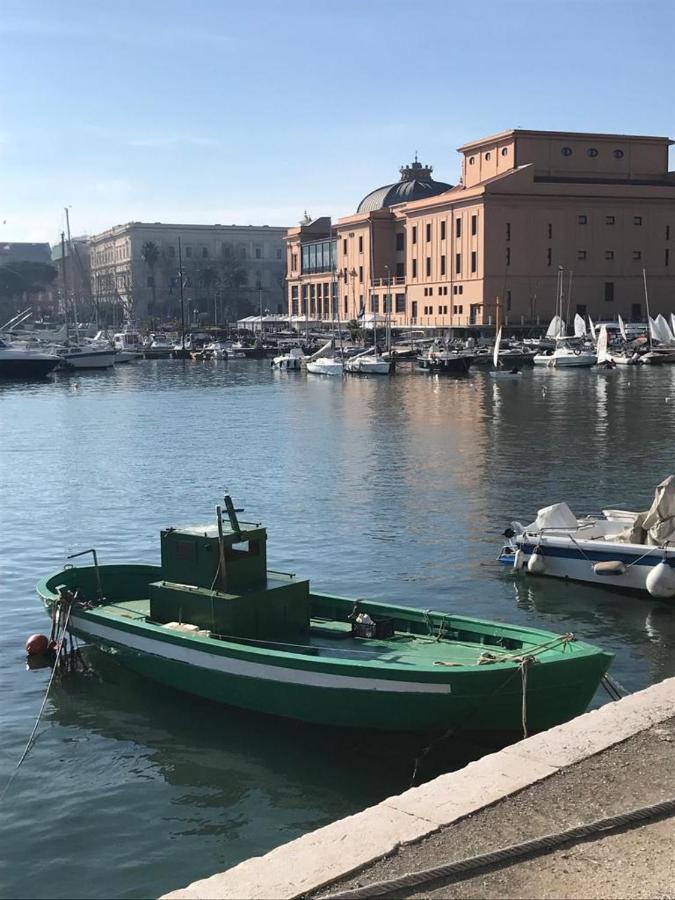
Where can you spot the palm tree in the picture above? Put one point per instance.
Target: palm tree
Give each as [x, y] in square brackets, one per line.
[209, 278]
[150, 256]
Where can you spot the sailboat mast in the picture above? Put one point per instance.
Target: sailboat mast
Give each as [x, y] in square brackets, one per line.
[649, 315]
[63, 279]
[182, 300]
[70, 252]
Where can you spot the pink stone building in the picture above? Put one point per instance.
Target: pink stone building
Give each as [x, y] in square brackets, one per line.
[601, 207]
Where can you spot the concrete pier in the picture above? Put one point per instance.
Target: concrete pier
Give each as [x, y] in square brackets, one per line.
[422, 827]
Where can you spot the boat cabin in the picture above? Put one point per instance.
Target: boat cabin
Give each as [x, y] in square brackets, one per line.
[216, 579]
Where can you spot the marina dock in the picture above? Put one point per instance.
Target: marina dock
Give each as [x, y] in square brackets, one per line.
[603, 763]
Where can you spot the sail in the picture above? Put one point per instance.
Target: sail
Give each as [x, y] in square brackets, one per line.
[672, 322]
[665, 334]
[495, 355]
[653, 330]
[556, 328]
[603, 355]
[591, 328]
[579, 326]
[622, 328]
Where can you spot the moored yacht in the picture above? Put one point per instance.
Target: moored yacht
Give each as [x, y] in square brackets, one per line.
[568, 353]
[24, 362]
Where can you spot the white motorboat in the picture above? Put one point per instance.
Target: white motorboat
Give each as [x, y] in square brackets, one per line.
[368, 363]
[617, 549]
[568, 353]
[87, 357]
[129, 346]
[326, 365]
[24, 362]
[160, 347]
[289, 361]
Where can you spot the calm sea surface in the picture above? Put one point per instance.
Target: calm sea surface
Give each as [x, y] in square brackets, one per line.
[393, 489]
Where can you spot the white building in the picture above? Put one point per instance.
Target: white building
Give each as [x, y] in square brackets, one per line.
[228, 270]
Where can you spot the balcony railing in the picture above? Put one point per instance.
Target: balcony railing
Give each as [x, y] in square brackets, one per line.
[385, 282]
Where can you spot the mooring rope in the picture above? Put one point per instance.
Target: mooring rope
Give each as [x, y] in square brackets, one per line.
[468, 866]
[31, 740]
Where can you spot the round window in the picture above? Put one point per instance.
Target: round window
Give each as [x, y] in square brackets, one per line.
[472, 160]
[566, 151]
[505, 151]
[618, 154]
[488, 155]
[591, 152]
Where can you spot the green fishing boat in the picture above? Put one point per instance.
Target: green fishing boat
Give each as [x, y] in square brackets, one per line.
[212, 620]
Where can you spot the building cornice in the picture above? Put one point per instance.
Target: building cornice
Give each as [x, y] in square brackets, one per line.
[571, 135]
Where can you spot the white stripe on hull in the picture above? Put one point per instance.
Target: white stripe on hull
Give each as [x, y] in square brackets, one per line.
[229, 665]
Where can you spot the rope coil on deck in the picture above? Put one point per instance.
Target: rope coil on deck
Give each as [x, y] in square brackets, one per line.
[504, 855]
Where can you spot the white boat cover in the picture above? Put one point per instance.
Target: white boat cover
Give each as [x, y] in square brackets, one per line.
[659, 522]
[559, 515]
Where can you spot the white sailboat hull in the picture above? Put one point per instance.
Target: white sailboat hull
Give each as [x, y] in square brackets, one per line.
[331, 367]
[565, 361]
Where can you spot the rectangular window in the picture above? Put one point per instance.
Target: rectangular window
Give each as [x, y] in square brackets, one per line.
[609, 254]
[414, 234]
[666, 257]
[346, 306]
[667, 232]
[428, 266]
[581, 254]
[258, 253]
[550, 231]
[609, 220]
[400, 241]
[344, 246]
[474, 224]
[443, 230]
[458, 263]
[636, 312]
[428, 232]
[374, 303]
[609, 291]
[440, 310]
[474, 261]
[508, 256]
[400, 270]
[360, 243]
[637, 254]
[637, 220]
[443, 265]
[548, 256]
[413, 310]
[460, 289]
[361, 274]
[400, 303]
[445, 310]
[188, 252]
[582, 220]
[458, 228]
[454, 289]
[205, 252]
[414, 268]
[454, 310]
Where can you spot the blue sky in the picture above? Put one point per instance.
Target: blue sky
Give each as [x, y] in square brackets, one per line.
[252, 112]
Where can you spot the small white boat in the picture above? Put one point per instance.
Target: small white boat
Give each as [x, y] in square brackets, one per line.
[568, 353]
[217, 350]
[160, 347]
[129, 346]
[617, 549]
[368, 363]
[88, 357]
[19, 361]
[291, 361]
[326, 365]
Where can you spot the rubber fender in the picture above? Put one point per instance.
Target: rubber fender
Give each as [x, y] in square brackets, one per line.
[536, 564]
[611, 567]
[661, 580]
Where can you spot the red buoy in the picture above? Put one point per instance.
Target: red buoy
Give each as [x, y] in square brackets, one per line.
[37, 645]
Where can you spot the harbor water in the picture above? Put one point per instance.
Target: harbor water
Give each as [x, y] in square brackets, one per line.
[389, 488]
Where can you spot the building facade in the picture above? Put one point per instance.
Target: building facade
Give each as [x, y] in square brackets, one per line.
[529, 206]
[227, 270]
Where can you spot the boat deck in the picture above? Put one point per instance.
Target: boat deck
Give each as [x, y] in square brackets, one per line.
[334, 639]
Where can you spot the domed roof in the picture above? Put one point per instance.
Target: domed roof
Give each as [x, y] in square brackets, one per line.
[416, 184]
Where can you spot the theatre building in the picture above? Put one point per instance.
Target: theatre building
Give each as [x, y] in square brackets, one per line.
[527, 205]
